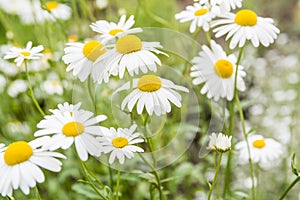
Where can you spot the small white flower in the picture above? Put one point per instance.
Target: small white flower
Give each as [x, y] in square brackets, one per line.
[75, 126]
[214, 68]
[220, 142]
[52, 87]
[132, 54]
[246, 25]
[17, 87]
[58, 10]
[121, 143]
[111, 30]
[21, 164]
[153, 93]
[264, 151]
[28, 53]
[200, 14]
[81, 58]
[227, 5]
[101, 4]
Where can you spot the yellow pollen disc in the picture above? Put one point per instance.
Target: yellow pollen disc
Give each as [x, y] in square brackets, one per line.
[149, 83]
[72, 38]
[17, 152]
[93, 49]
[259, 143]
[201, 11]
[128, 44]
[224, 68]
[71, 113]
[55, 83]
[246, 18]
[51, 5]
[72, 129]
[119, 142]
[25, 53]
[115, 31]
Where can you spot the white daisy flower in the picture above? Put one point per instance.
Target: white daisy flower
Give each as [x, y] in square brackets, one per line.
[20, 54]
[132, 54]
[220, 142]
[58, 10]
[21, 164]
[66, 107]
[70, 127]
[200, 14]
[111, 30]
[16, 87]
[81, 58]
[227, 5]
[52, 87]
[153, 93]
[121, 143]
[264, 151]
[246, 25]
[217, 70]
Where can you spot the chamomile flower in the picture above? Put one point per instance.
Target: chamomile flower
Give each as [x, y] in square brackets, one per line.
[121, 143]
[58, 10]
[217, 70]
[111, 30]
[246, 25]
[264, 151]
[52, 87]
[200, 14]
[81, 59]
[153, 93]
[75, 126]
[16, 87]
[132, 54]
[227, 5]
[220, 142]
[28, 53]
[21, 164]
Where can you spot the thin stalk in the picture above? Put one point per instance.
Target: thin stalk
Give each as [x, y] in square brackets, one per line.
[118, 183]
[289, 188]
[159, 186]
[37, 194]
[31, 91]
[208, 38]
[216, 176]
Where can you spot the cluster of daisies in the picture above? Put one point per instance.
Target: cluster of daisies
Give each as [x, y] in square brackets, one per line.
[220, 74]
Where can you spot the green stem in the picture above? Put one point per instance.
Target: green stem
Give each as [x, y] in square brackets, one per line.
[159, 186]
[31, 91]
[118, 182]
[216, 176]
[289, 188]
[37, 194]
[248, 146]
[208, 38]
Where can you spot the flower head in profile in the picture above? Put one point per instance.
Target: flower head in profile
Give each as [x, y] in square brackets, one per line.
[246, 25]
[227, 5]
[264, 151]
[21, 163]
[111, 30]
[121, 143]
[217, 70]
[153, 93]
[82, 57]
[220, 142]
[76, 126]
[27, 53]
[58, 10]
[52, 87]
[131, 54]
[200, 14]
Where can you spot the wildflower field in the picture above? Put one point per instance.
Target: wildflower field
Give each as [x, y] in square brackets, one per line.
[149, 99]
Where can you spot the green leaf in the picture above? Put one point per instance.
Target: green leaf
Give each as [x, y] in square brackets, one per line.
[86, 190]
[293, 165]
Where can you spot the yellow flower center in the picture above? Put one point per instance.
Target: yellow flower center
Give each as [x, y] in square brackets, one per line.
[72, 129]
[119, 142]
[25, 53]
[246, 18]
[17, 152]
[51, 5]
[201, 11]
[55, 83]
[72, 38]
[115, 31]
[128, 44]
[93, 49]
[259, 143]
[149, 83]
[224, 68]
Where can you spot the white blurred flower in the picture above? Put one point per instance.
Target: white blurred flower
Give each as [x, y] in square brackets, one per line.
[16, 87]
[2, 83]
[52, 87]
[101, 4]
[220, 142]
[58, 10]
